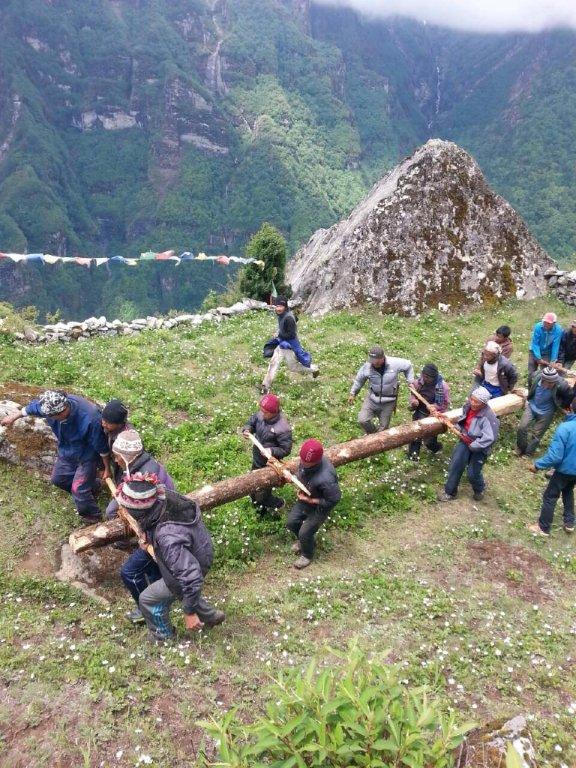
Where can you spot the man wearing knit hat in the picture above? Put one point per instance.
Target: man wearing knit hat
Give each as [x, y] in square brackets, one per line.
[273, 431]
[82, 446]
[567, 355]
[318, 475]
[435, 390]
[286, 347]
[496, 373]
[479, 429]
[547, 395]
[129, 458]
[381, 373]
[545, 344]
[183, 550]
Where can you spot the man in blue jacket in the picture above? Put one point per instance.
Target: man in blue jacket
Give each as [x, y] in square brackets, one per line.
[479, 429]
[561, 455]
[82, 445]
[545, 344]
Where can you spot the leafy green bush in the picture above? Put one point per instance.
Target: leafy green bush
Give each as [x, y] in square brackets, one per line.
[269, 246]
[337, 717]
[14, 320]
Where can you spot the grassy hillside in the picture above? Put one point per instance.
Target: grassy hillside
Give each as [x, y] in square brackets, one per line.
[464, 597]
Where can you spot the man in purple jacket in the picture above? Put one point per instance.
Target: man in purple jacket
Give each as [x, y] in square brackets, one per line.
[82, 445]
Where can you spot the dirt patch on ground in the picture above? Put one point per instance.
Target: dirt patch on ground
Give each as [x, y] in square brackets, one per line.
[175, 418]
[523, 573]
[37, 561]
[30, 445]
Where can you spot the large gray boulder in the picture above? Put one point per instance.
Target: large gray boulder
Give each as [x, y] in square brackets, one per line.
[430, 232]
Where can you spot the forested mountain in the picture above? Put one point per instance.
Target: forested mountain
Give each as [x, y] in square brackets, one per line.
[128, 125]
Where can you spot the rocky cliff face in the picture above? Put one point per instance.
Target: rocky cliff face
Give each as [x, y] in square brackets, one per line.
[430, 232]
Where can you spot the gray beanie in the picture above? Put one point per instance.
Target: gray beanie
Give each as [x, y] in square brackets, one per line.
[482, 394]
[550, 374]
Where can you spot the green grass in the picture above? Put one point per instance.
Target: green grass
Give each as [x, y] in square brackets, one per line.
[463, 596]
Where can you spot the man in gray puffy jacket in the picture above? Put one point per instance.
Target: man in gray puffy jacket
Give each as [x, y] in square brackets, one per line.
[381, 373]
[183, 549]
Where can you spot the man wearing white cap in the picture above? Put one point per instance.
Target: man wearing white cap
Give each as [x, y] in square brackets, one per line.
[495, 373]
[479, 429]
[545, 344]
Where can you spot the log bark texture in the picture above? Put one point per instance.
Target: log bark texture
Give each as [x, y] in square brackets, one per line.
[210, 496]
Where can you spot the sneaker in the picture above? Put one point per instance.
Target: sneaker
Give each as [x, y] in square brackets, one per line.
[158, 639]
[315, 373]
[296, 547]
[216, 617]
[568, 528]
[135, 616]
[302, 562]
[535, 528]
[443, 496]
[264, 390]
[478, 495]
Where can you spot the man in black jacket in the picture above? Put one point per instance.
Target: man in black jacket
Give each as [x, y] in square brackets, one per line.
[318, 475]
[287, 347]
[183, 551]
[272, 430]
[567, 354]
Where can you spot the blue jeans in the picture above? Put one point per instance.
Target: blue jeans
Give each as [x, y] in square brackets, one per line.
[560, 484]
[138, 572]
[79, 479]
[494, 390]
[462, 458]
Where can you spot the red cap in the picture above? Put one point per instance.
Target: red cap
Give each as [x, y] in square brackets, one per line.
[270, 403]
[311, 451]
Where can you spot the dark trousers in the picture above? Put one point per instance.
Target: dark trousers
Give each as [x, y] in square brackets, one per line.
[531, 429]
[304, 520]
[79, 479]
[264, 500]
[433, 444]
[463, 458]
[559, 484]
[138, 572]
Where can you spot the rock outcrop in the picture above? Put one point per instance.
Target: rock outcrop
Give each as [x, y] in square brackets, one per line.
[430, 232]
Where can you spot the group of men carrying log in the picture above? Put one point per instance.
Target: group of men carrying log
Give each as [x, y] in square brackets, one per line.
[175, 549]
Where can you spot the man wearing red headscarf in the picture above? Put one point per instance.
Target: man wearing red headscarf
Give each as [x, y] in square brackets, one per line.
[317, 473]
[272, 430]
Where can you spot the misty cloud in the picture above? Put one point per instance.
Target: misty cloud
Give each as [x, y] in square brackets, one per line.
[473, 15]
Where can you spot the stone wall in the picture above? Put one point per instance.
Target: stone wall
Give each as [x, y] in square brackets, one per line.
[100, 326]
[562, 284]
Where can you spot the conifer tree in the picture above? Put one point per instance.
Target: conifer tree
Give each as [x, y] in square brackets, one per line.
[267, 245]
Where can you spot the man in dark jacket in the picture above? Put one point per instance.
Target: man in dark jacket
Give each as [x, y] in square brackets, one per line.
[114, 420]
[496, 373]
[479, 429]
[272, 430]
[547, 395]
[129, 458]
[561, 455]
[287, 347]
[381, 373]
[435, 390]
[183, 551]
[82, 446]
[318, 475]
[568, 346]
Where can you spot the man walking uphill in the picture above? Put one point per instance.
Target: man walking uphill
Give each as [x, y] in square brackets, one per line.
[82, 445]
[318, 475]
[287, 347]
[561, 455]
[381, 373]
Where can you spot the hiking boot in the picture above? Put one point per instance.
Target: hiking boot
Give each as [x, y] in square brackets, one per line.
[535, 528]
[568, 528]
[443, 496]
[478, 495]
[302, 562]
[296, 547]
[135, 616]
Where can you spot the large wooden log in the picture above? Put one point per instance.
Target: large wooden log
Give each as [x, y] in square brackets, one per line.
[210, 496]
